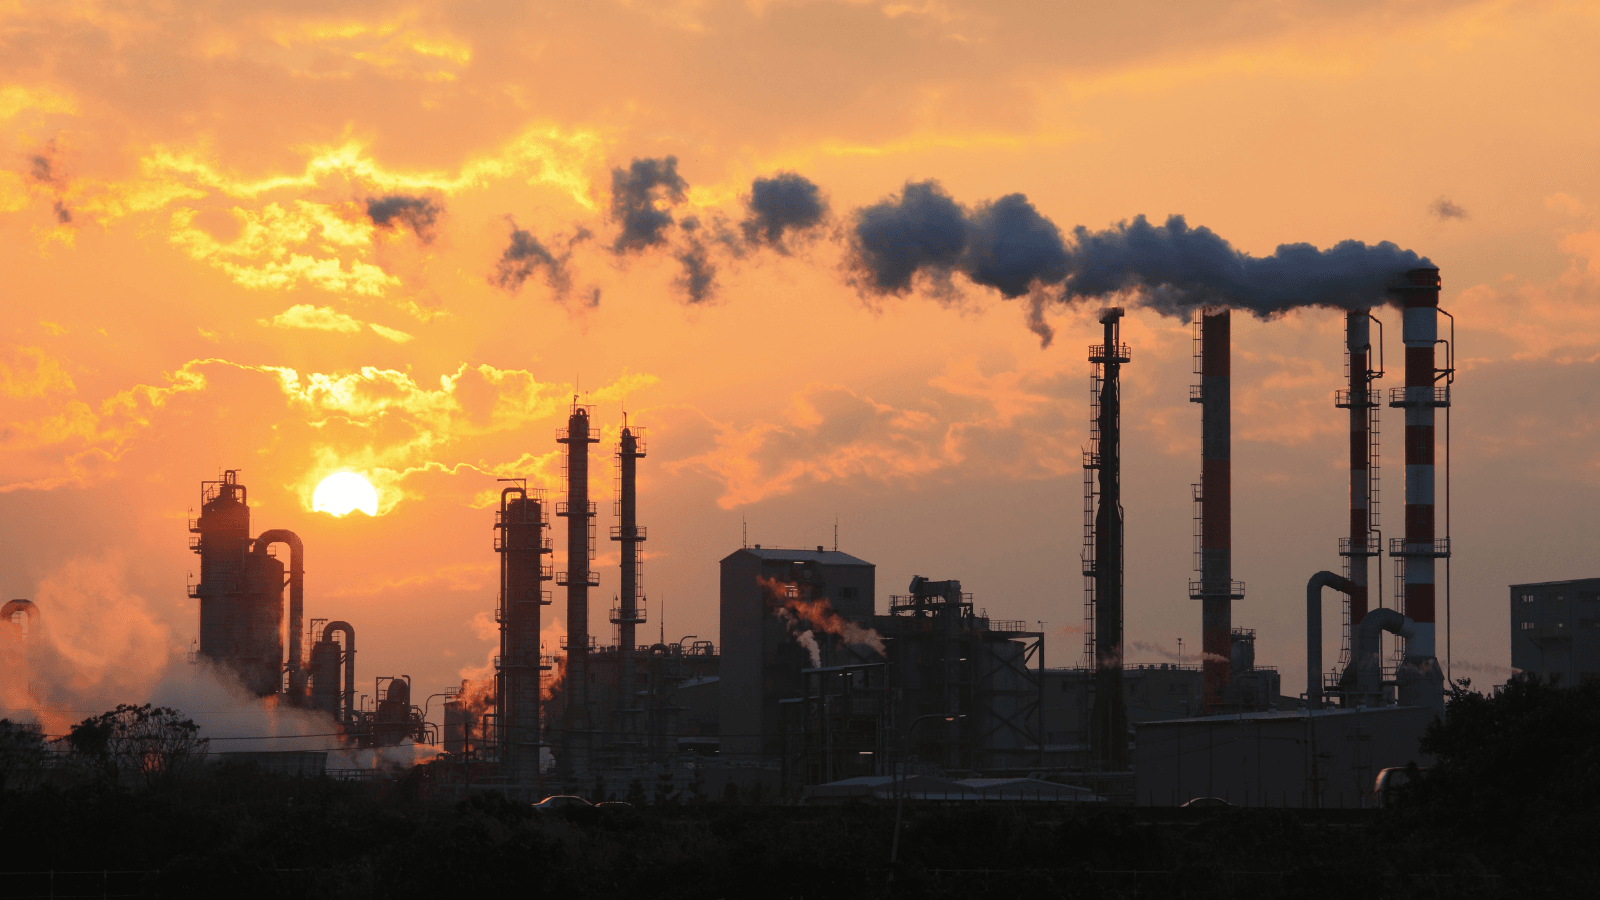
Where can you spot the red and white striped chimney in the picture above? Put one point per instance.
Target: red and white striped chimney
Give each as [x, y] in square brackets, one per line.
[1419, 550]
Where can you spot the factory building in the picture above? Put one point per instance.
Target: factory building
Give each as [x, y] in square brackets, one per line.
[1304, 758]
[1555, 629]
[762, 650]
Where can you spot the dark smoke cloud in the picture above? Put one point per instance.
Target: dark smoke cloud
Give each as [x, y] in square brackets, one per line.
[63, 215]
[1006, 244]
[699, 278]
[786, 202]
[1170, 268]
[1174, 268]
[526, 255]
[42, 170]
[635, 191]
[417, 213]
[922, 229]
[1445, 209]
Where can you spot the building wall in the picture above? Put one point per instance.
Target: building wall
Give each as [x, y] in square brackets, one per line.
[761, 660]
[1153, 693]
[1327, 758]
[1555, 629]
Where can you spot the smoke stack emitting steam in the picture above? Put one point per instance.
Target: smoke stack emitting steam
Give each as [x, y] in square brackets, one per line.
[803, 617]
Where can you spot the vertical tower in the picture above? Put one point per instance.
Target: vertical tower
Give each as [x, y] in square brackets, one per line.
[1362, 544]
[519, 539]
[629, 612]
[1216, 590]
[578, 721]
[240, 594]
[1108, 720]
[1420, 680]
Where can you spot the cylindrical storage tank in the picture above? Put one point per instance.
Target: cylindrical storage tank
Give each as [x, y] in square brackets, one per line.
[455, 726]
[258, 626]
[325, 677]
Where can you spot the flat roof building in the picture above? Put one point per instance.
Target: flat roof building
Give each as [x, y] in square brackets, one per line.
[1555, 629]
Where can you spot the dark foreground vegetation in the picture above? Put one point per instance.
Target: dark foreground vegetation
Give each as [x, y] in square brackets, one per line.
[1511, 809]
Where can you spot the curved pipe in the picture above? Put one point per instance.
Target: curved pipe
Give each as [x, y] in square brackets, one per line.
[349, 705]
[27, 607]
[1314, 631]
[297, 602]
[1368, 679]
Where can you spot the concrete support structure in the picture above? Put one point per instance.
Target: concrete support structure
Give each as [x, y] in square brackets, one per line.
[1103, 557]
[577, 727]
[521, 543]
[1420, 678]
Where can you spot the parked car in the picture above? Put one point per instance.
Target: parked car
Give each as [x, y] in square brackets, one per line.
[613, 804]
[1383, 787]
[1205, 803]
[562, 801]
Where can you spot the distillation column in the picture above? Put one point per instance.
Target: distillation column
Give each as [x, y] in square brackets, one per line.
[520, 541]
[578, 720]
[1421, 681]
[1216, 589]
[629, 613]
[1108, 719]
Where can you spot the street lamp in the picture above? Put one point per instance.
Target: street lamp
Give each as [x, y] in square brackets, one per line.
[900, 796]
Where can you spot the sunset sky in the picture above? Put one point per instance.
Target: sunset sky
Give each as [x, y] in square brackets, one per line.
[395, 238]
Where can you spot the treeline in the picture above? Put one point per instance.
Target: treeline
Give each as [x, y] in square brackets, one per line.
[1509, 809]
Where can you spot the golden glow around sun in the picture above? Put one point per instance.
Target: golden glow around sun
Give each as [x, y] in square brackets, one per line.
[342, 492]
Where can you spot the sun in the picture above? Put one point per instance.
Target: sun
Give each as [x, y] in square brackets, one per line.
[342, 492]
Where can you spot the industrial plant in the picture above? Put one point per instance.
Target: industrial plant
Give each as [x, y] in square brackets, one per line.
[815, 689]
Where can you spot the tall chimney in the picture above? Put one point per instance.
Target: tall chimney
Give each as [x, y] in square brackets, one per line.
[1362, 544]
[1420, 680]
[578, 721]
[629, 613]
[1108, 720]
[1216, 589]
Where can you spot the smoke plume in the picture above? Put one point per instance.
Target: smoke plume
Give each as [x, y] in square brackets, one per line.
[417, 213]
[785, 203]
[699, 278]
[800, 614]
[1444, 209]
[1164, 653]
[635, 194]
[1170, 268]
[526, 255]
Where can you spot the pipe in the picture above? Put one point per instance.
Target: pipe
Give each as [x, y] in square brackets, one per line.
[349, 704]
[297, 603]
[1366, 673]
[1314, 630]
[26, 607]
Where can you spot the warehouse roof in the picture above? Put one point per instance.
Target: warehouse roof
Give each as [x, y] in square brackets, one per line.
[819, 555]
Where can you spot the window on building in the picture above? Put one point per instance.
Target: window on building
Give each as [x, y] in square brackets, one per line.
[1527, 598]
[847, 593]
[1525, 626]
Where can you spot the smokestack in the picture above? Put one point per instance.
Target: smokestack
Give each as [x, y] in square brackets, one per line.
[577, 723]
[629, 613]
[1421, 682]
[1216, 589]
[520, 541]
[1362, 543]
[1108, 720]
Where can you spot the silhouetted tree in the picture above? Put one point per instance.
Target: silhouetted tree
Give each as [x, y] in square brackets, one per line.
[23, 756]
[153, 744]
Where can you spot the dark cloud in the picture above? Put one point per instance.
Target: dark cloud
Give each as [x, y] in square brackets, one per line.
[1010, 247]
[1445, 209]
[40, 167]
[1174, 268]
[922, 229]
[635, 193]
[63, 215]
[1170, 268]
[526, 255]
[699, 278]
[1006, 244]
[786, 202]
[417, 213]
